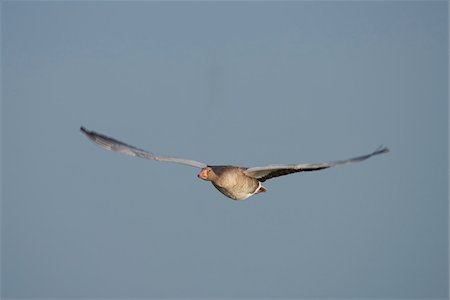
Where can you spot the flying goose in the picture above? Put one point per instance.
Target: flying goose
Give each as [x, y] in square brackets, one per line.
[237, 183]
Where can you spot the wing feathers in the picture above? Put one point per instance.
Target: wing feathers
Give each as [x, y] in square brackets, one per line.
[267, 172]
[112, 144]
[260, 173]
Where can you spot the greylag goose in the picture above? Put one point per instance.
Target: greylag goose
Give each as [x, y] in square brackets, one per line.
[237, 183]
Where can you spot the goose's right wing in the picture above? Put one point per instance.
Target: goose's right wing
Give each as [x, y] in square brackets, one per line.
[109, 143]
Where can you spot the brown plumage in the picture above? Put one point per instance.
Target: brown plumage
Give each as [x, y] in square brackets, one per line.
[232, 181]
[237, 183]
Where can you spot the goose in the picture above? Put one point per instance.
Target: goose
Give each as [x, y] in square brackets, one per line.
[235, 182]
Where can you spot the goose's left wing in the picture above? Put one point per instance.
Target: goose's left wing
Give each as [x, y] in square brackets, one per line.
[267, 172]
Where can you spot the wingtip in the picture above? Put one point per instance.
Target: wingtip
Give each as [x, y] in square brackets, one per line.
[382, 149]
[84, 130]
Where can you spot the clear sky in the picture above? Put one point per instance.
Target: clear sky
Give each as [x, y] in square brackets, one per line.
[244, 83]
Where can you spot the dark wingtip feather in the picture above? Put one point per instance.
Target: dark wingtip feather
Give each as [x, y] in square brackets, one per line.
[88, 133]
[380, 150]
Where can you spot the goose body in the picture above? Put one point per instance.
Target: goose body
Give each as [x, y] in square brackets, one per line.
[235, 182]
[232, 181]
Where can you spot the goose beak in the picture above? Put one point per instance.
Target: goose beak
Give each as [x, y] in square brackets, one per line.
[203, 174]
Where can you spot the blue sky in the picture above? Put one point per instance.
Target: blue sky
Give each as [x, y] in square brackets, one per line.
[243, 83]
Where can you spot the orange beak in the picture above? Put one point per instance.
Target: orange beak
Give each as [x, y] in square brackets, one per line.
[203, 174]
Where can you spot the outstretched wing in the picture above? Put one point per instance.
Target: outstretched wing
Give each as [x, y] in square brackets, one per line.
[267, 172]
[118, 146]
